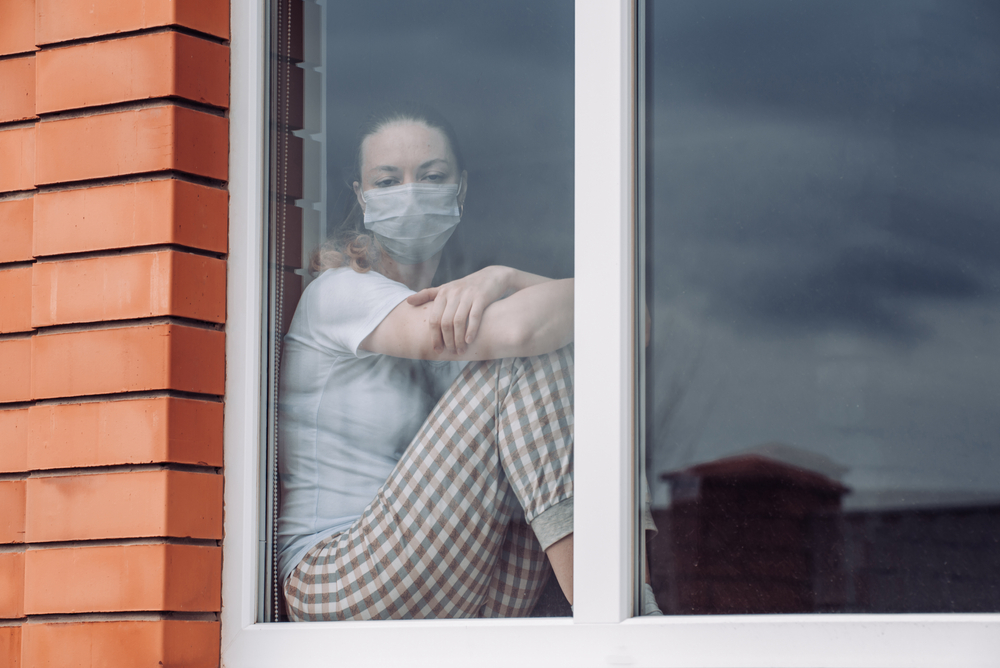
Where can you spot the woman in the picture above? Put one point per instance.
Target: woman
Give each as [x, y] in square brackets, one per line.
[401, 466]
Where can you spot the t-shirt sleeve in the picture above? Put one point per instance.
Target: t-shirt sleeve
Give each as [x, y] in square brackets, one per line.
[343, 307]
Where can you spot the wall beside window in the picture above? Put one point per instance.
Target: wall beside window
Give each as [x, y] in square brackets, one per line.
[113, 245]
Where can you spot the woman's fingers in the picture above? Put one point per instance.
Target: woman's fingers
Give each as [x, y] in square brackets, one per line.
[454, 322]
[475, 317]
[458, 307]
[448, 325]
[422, 297]
[434, 317]
[461, 318]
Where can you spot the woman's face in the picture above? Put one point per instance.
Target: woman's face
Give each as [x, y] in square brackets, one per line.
[407, 152]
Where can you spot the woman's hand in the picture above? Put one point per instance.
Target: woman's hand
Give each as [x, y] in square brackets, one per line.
[459, 305]
[536, 318]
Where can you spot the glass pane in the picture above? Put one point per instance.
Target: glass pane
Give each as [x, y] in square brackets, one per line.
[416, 145]
[823, 273]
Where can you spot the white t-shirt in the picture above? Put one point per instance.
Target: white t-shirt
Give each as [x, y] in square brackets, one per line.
[345, 415]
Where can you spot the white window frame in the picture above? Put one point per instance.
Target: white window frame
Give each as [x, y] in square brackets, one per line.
[601, 633]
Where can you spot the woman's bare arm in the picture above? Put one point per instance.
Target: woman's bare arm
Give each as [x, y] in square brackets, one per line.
[459, 305]
[536, 319]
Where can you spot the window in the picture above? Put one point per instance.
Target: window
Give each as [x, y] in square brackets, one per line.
[601, 632]
[494, 83]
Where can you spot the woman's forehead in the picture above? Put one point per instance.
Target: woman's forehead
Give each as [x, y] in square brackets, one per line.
[405, 144]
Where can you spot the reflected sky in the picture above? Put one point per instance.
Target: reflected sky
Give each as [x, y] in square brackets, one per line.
[502, 73]
[824, 241]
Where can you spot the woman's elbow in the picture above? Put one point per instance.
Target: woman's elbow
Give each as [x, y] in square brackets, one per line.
[418, 343]
[527, 341]
[520, 338]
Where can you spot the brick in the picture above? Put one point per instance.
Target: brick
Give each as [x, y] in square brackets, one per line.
[15, 229]
[134, 68]
[17, 29]
[128, 359]
[15, 370]
[109, 578]
[17, 81]
[64, 20]
[122, 287]
[135, 431]
[176, 504]
[132, 142]
[197, 287]
[17, 159]
[131, 215]
[14, 428]
[12, 500]
[11, 585]
[10, 646]
[15, 300]
[123, 643]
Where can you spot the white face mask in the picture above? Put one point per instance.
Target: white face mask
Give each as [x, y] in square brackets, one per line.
[412, 221]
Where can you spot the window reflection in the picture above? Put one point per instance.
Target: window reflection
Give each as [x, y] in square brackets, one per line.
[823, 276]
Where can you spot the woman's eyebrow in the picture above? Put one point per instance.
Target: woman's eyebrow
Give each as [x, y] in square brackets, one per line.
[431, 162]
[390, 168]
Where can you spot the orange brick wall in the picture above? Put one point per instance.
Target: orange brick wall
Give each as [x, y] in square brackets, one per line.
[113, 239]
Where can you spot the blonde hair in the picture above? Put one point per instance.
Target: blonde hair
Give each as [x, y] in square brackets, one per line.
[350, 245]
[353, 245]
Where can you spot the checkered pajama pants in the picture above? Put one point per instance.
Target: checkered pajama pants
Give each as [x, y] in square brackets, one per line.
[438, 540]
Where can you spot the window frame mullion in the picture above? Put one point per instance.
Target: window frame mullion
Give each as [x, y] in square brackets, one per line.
[605, 256]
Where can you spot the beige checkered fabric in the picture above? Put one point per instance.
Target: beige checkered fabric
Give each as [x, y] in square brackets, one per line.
[438, 540]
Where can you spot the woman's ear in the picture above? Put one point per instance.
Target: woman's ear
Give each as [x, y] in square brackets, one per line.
[360, 195]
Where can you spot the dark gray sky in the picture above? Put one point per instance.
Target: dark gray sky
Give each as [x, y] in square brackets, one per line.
[825, 237]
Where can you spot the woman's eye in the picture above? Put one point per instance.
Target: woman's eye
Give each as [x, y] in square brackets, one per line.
[434, 177]
[385, 183]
